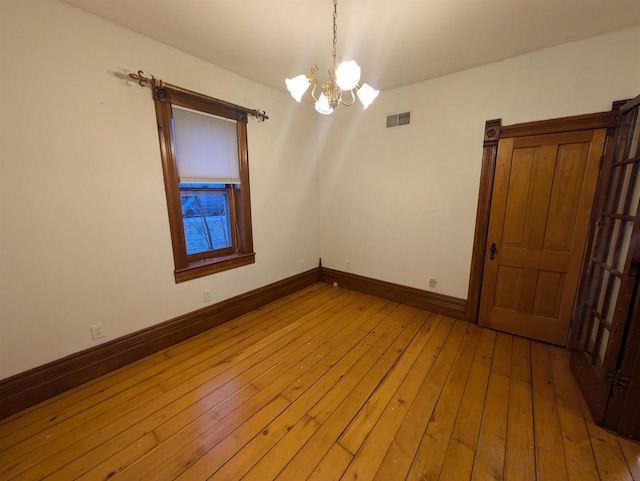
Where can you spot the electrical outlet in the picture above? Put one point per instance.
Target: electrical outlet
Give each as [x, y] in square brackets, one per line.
[97, 331]
[206, 295]
[335, 284]
[432, 283]
[348, 264]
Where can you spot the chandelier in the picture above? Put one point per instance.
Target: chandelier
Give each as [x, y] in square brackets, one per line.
[343, 84]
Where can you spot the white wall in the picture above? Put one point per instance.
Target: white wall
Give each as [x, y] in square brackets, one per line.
[401, 204]
[84, 235]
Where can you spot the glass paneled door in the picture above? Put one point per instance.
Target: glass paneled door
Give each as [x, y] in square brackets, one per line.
[610, 283]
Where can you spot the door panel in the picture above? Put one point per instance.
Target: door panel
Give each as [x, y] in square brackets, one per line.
[548, 296]
[541, 205]
[565, 197]
[519, 196]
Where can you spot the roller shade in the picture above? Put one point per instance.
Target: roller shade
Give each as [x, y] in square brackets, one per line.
[206, 147]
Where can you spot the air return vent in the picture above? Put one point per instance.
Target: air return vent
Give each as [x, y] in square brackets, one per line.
[398, 120]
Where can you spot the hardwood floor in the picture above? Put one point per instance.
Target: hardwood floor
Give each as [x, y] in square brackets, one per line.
[325, 384]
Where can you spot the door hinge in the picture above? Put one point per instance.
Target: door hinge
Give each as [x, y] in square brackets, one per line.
[618, 379]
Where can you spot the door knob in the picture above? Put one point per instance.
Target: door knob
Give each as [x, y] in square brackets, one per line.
[493, 251]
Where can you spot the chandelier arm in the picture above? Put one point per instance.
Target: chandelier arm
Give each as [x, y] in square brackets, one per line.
[353, 99]
[313, 90]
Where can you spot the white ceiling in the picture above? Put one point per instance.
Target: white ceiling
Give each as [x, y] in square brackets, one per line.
[396, 42]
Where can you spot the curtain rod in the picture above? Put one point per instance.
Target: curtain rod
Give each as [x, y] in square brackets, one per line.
[158, 84]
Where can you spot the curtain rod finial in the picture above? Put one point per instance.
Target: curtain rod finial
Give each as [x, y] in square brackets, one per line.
[260, 115]
[142, 80]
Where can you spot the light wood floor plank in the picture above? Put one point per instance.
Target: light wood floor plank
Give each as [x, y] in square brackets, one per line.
[490, 454]
[631, 451]
[112, 465]
[293, 422]
[422, 411]
[212, 461]
[579, 458]
[431, 452]
[610, 459]
[458, 462]
[374, 326]
[199, 365]
[332, 465]
[550, 456]
[337, 414]
[88, 464]
[195, 430]
[264, 355]
[325, 384]
[363, 423]
[520, 462]
[421, 379]
[336, 379]
[29, 452]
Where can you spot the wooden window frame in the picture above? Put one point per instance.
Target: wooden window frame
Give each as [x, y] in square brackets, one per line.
[193, 266]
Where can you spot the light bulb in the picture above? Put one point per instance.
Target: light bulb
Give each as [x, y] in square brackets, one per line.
[348, 75]
[297, 86]
[322, 105]
[367, 94]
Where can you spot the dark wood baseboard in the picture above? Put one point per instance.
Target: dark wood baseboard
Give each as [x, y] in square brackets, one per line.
[28, 388]
[438, 303]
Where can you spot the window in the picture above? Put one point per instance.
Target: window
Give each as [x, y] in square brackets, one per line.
[203, 143]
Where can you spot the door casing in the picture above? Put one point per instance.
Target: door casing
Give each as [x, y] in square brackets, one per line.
[493, 132]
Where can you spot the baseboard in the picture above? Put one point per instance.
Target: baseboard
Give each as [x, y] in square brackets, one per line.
[28, 388]
[431, 301]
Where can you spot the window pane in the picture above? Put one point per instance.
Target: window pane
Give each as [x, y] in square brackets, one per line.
[205, 215]
[613, 299]
[603, 292]
[612, 189]
[595, 279]
[602, 349]
[623, 246]
[593, 336]
[611, 259]
[628, 181]
[634, 147]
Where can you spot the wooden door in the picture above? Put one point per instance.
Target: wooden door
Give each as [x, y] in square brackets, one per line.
[540, 209]
[605, 314]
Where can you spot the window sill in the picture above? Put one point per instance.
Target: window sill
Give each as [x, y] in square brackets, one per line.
[211, 266]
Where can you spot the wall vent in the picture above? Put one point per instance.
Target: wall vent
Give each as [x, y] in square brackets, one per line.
[398, 120]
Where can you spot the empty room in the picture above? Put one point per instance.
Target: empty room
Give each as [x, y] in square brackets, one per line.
[320, 240]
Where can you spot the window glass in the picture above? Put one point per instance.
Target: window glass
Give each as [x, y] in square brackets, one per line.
[205, 216]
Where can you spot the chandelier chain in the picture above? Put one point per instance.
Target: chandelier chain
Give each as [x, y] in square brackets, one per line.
[335, 29]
